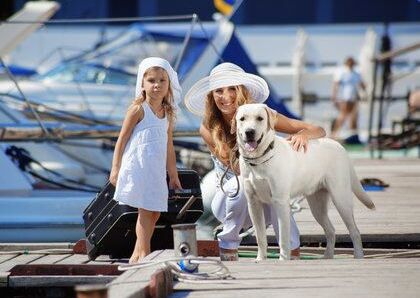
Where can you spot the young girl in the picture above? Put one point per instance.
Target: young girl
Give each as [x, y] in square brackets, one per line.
[218, 97]
[144, 149]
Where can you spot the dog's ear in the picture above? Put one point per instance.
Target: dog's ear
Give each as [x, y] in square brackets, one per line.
[272, 117]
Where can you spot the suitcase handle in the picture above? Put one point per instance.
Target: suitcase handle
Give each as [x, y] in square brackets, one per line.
[187, 205]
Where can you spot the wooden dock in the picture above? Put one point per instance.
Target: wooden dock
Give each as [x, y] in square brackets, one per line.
[51, 265]
[375, 276]
[383, 272]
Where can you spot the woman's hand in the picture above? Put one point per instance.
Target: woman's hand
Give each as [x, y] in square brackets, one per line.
[298, 141]
[113, 177]
[174, 182]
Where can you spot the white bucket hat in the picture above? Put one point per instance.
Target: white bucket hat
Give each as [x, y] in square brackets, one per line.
[162, 63]
[225, 75]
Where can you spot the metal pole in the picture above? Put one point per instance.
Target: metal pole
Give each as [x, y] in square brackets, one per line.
[371, 107]
[385, 81]
[185, 43]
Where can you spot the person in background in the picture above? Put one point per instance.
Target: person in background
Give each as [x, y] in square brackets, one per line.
[144, 150]
[345, 96]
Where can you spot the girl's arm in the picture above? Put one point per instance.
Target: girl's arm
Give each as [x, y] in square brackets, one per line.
[174, 182]
[133, 116]
[300, 132]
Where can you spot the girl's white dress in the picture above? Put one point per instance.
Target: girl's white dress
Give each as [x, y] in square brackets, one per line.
[142, 177]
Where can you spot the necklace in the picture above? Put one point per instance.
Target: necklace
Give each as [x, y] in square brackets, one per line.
[159, 110]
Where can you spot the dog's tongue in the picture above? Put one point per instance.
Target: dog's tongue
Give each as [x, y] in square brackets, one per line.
[250, 146]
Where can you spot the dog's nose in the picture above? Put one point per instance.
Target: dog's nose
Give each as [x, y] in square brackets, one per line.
[250, 134]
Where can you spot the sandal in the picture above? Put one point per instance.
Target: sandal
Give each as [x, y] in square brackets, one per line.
[373, 182]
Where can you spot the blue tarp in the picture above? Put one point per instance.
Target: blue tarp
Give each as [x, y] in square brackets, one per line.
[18, 70]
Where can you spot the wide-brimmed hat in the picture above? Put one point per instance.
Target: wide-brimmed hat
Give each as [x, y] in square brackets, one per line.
[225, 75]
[147, 63]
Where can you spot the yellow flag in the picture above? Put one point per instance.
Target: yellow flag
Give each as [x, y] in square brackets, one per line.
[224, 6]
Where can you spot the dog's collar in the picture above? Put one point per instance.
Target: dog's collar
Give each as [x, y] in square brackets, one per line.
[251, 162]
[254, 164]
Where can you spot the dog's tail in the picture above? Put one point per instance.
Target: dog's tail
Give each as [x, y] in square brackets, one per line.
[358, 190]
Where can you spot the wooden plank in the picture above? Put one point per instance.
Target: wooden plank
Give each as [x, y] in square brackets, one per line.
[6, 257]
[57, 281]
[64, 269]
[103, 259]
[50, 259]
[34, 246]
[75, 259]
[21, 259]
[136, 283]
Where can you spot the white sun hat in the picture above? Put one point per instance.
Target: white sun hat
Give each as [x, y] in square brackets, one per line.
[147, 63]
[225, 75]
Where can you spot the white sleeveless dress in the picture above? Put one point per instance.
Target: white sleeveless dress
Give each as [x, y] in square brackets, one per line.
[142, 178]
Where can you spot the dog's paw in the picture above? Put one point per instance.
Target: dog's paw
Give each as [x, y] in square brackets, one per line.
[260, 258]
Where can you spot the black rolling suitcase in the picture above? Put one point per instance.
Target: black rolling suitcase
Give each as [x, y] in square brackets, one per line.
[110, 227]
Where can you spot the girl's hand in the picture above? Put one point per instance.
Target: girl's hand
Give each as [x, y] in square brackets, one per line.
[298, 141]
[174, 182]
[113, 176]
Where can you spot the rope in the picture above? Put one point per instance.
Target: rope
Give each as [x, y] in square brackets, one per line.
[221, 272]
[225, 173]
[23, 158]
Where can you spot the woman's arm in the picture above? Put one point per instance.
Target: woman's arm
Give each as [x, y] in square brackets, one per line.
[133, 116]
[300, 132]
[208, 139]
[174, 182]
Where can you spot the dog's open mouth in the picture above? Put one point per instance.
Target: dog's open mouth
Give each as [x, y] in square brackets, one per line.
[250, 146]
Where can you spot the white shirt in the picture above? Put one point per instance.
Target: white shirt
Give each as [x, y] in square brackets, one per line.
[348, 82]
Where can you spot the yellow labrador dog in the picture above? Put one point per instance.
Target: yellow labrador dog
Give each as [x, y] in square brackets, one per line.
[273, 172]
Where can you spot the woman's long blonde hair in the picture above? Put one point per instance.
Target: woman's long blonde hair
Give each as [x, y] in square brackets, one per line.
[224, 139]
[168, 100]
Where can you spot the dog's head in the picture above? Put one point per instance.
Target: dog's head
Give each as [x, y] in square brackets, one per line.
[254, 124]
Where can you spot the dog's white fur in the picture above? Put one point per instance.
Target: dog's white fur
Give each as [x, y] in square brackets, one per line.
[273, 176]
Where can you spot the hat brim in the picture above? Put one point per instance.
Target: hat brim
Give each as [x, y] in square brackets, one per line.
[196, 97]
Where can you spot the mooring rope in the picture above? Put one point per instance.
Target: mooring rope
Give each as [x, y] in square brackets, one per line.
[220, 273]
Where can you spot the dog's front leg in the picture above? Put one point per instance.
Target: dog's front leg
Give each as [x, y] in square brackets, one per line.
[255, 208]
[282, 208]
[256, 212]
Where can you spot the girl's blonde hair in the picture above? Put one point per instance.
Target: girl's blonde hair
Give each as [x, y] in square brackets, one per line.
[224, 139]
[168, 99]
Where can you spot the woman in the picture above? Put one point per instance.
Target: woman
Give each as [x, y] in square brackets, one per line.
[345, 96]
[217, 98]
